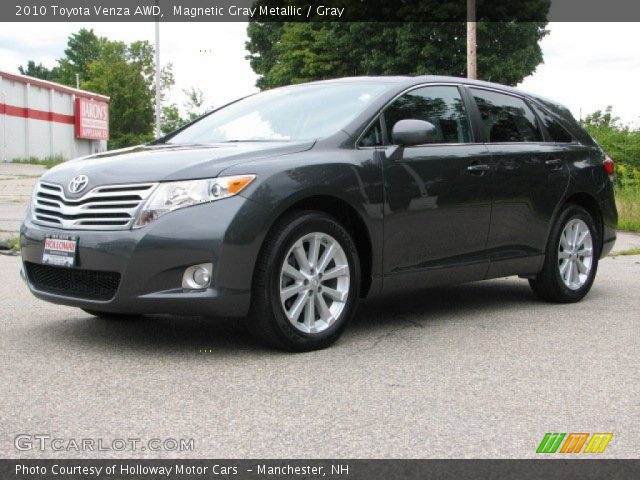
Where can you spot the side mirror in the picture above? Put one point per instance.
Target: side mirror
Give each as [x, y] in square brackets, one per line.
[413, 132]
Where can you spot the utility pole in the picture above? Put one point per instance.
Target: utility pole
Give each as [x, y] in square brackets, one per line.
[78, 81]
[472, 63]
[158, 131]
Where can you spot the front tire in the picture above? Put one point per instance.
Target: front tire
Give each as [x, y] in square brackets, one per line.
[306, 284]
[571, 259]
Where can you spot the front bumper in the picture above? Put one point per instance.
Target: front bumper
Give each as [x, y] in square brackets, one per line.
[151, 260]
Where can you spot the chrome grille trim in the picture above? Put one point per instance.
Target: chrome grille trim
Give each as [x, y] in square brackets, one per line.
[107, 207]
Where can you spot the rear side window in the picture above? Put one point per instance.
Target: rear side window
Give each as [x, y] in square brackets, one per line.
[506, 118]
[557, 132]
[440, 105]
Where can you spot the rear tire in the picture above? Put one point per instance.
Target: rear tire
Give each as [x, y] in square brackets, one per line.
[571, 259]
[306, 284]
[112, 316]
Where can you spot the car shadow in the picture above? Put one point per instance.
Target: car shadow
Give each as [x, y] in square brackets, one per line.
[198, 335]
[444, 303]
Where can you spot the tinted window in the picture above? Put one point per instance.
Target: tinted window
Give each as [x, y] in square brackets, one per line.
[440, 105]
[557, 132]
[373, 137]
[506, 118]
[291, 113]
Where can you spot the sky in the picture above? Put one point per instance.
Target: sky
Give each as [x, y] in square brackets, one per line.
[587, 66]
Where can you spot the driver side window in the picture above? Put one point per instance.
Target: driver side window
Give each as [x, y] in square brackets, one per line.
[440, 105]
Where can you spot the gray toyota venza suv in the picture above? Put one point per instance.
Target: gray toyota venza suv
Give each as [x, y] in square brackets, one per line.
[287, 206]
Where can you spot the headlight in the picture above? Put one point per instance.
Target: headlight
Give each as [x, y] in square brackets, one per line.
[171, 196]
[32, 202]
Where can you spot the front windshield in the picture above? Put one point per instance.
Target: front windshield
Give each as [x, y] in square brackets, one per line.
[301, 112]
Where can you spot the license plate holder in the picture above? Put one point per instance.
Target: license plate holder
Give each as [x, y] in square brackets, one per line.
[60, 250]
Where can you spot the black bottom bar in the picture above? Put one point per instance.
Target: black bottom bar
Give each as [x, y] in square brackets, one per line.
[317, 469]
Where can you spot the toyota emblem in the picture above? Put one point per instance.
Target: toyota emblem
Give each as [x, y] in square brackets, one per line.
[78, 183]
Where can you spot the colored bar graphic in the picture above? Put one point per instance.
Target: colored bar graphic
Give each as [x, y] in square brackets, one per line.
[574, 442]
[598, 442]
[550, 443]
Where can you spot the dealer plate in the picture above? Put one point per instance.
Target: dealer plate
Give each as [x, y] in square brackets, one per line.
[60, 250]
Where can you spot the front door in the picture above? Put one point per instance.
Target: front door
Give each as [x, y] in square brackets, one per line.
[438, 201]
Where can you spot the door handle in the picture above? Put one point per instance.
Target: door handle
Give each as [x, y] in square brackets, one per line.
[554, 162]
[478, 168]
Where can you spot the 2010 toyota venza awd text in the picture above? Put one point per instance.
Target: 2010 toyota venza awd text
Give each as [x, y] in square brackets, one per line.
[287, 206]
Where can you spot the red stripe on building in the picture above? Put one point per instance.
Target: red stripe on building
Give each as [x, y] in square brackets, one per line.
[34, 114]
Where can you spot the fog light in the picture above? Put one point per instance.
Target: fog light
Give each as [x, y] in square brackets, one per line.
[197, 277]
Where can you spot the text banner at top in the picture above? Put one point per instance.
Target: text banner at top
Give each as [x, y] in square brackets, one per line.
[317, 10]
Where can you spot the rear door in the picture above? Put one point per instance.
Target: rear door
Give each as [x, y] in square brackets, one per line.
[530, 177]
[438, 201]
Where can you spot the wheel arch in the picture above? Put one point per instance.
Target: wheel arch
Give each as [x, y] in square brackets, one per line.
[348, 216]
[591, 205]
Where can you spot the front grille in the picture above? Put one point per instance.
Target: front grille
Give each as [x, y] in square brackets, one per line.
[110, 207]
[88, 284]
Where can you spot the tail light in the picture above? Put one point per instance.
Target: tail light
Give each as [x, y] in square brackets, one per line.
[609, 167]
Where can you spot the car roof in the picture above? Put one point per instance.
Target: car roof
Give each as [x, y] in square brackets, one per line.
[398, 83]
[401, 82]
[408, 81]
[363, 79]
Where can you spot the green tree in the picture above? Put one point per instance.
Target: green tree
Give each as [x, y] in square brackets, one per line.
[284, 53]
[126, 73]
[263, 57]
[604, 119]
[194, 103]
[621, 142]
[119, 72]
[171, 119]
[83, 48]
[193, 106]
[39, 71]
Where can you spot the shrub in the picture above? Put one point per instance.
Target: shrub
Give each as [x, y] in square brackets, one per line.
[620, 142]
[48, 162]
[628, 205]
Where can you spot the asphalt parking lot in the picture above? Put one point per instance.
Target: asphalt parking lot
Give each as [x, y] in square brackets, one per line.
[479, 370]
[16, 184]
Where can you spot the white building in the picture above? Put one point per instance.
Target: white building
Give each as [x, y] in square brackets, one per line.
[42, 119]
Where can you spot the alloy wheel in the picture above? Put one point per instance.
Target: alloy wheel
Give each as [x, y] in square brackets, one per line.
[575, 254]
[314, 282]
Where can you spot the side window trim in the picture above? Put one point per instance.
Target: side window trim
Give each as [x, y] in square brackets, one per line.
[545, 131]
[473, 112]
[386, 135]
[538, 110]
[379, 119]
[383, 127]
[475, 139]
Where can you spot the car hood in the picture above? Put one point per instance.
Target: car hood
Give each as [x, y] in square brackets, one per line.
[165, 162]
